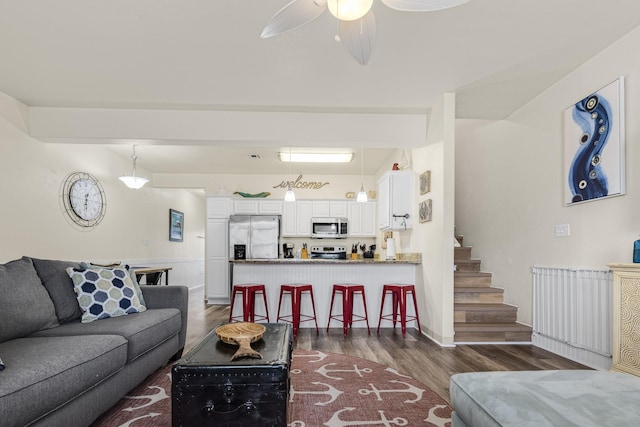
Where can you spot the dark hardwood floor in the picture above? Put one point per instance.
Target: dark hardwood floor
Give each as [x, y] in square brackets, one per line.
[415, 355]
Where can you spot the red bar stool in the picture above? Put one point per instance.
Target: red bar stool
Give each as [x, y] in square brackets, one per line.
[296, 290]
[248, 292]
[348, 291]
[399, 294]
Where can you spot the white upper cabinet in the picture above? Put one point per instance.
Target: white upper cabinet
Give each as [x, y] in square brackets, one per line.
[395, 200]
[362, 219]
[219, 207]
[257, 207]
[329, 208]
[270, 207]
[296, 219]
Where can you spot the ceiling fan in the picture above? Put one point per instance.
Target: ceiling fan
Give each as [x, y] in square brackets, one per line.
[356, 23]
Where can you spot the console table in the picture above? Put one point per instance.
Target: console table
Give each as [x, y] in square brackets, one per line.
[153, 275]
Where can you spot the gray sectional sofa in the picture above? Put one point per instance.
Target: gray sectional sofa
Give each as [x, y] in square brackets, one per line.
[560, 398]
[60, 371]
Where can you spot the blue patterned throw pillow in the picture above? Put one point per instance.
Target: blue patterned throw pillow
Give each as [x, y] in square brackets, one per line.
[132, 275]
[104, 293]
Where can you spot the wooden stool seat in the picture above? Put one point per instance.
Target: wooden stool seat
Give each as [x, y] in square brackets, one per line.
[348, 291]
[248, 292]
[296, 291]
[399, 296]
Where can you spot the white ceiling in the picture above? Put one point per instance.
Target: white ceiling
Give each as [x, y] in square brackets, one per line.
[207, 55]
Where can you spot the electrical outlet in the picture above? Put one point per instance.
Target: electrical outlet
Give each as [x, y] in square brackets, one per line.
[563, 230]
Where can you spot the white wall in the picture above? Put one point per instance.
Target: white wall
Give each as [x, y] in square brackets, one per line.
[434, 239]
[509, 183]
[337, 186]
[34, 224]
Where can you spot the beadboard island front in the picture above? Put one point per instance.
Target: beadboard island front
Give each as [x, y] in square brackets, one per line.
[323, 274]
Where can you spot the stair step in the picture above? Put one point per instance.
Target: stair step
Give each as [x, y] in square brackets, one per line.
[471, 279]
[467, 265]
[492, 332]
[460, 239]
[485, 313]
[462, 253]
[478, 295]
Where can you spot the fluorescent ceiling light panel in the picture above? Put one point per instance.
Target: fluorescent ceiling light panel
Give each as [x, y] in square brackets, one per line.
[316, 157]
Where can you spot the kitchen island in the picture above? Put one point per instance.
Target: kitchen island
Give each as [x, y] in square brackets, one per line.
[323, 274]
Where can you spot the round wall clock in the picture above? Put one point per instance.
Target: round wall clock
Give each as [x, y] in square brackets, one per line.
[84, 199]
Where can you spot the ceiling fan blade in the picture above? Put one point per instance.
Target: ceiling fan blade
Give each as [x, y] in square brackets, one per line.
[422, 5]
[358, 36]
[293, 15]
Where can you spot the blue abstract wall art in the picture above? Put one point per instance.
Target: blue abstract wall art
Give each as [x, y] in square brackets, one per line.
[594, 145]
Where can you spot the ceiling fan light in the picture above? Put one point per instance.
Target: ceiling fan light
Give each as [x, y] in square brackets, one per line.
[349, 10]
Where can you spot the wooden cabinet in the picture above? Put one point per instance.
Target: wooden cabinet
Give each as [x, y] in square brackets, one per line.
[217, 283]
[257, 207]
[329, 208]
[296, 218]
[626, 318]
[395, 200]
[362, 219]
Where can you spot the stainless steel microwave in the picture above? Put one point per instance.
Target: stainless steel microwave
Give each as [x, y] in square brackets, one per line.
[329, 228]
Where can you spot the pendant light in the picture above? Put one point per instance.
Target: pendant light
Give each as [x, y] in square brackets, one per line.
[133, 181]
[289, 196]
[362, 195]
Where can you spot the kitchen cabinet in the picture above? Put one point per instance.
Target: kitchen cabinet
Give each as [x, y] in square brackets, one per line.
[296, 218]
[329, 208]
[257, 207]
[219, 207]
[395, 200]
[217, 283]
[362, 219]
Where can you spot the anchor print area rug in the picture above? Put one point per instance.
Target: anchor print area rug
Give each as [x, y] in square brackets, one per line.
[327, 389]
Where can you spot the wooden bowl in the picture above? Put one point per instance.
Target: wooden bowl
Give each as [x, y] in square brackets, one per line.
[242, 334]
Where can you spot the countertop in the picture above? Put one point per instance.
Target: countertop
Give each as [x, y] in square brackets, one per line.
[404, 259]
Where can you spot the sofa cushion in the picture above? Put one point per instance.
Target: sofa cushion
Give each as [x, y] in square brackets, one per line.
[143, 331]
[25, 306]
[54, 277]
[104, 293]
[45, 373]
[546, 398]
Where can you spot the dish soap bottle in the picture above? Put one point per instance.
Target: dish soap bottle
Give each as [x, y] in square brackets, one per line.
[636, 251]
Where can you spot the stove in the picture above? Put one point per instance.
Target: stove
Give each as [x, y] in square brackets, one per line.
[329, 252]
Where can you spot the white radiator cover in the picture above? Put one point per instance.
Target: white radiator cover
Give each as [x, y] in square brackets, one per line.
[572, 313]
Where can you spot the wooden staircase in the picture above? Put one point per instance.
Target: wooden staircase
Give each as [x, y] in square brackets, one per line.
[480, 314]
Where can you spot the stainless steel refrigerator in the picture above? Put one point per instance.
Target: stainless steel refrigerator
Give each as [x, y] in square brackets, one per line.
[254, 236]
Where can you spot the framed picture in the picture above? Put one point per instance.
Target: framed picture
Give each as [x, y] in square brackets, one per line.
[425, 182]
[594, 146]
[176, 225]
[424, 211]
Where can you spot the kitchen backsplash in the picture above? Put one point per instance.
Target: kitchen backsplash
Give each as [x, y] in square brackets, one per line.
[348, 243]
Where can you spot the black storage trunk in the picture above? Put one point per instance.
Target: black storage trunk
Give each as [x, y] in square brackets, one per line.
[210, 390]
